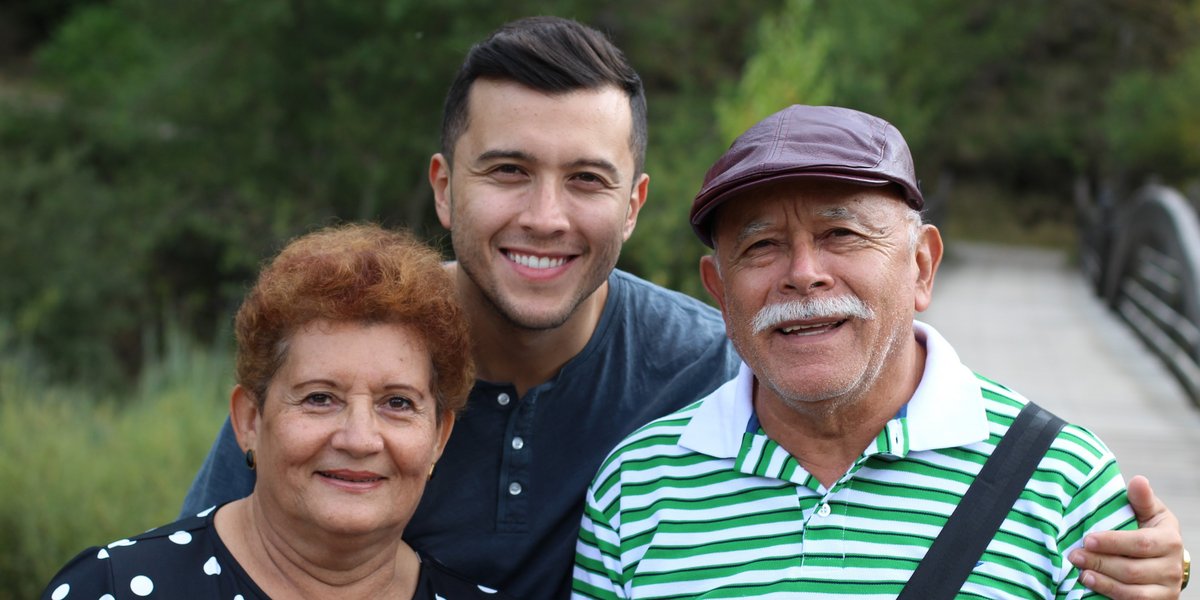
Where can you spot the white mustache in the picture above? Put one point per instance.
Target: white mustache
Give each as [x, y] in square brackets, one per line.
[811, 308]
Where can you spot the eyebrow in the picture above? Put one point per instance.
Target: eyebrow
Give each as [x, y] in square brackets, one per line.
[752, 228]
[504, 154]
[598, 164]
[840, 213]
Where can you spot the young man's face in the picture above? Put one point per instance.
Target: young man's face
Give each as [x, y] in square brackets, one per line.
[541, 195]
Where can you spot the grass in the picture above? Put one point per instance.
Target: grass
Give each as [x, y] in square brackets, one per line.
[82, 470]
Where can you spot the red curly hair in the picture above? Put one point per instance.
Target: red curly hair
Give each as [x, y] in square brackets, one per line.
[355, 273]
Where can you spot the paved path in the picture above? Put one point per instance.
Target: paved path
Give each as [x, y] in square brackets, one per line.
[1028, 319]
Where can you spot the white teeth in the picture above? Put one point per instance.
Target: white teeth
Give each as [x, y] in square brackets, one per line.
[795, 328]
[536, 262]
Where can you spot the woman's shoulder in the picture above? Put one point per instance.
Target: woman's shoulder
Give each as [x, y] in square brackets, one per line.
[183, 559]
[438, 581]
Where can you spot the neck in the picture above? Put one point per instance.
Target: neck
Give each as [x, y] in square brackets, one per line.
[507, 353]
[299, 561]
[828, 436]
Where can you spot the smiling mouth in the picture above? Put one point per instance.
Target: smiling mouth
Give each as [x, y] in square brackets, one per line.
[813, 329]
[352, 478]
[536, 262]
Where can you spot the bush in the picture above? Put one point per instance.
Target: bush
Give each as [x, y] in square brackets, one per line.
[83, 470]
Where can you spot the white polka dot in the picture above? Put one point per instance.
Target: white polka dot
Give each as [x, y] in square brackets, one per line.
[141, 585]
[212, 567]
[204, 513]
[238, 597]
[102, 554]
[438, 597]
[124, 542]
[61, 592]
[485, 589]
[180, 537]
[107, 597]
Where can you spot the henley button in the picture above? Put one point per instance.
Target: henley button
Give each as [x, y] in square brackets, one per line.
[502, 399]
[518, 443]
[514, 489]
[822, 511]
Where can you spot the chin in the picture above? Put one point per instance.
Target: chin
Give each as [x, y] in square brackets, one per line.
[344, 524]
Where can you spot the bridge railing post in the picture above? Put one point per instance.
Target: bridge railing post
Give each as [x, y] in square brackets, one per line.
[1143, 256]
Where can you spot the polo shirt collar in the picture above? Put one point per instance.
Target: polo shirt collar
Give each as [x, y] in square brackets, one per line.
[945, 411]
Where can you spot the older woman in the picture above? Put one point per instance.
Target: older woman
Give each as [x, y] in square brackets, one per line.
[352, 361]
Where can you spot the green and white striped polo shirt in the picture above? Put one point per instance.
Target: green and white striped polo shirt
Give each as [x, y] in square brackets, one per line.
[694, 505]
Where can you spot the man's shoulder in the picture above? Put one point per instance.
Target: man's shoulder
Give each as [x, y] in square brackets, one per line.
[655, 440]
[1076, 452]
[648, 298]
[665, 429]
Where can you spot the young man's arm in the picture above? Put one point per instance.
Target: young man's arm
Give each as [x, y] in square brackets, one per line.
[222, 478]
[1146, 563]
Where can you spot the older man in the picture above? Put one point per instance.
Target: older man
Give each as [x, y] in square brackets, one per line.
[830, 464]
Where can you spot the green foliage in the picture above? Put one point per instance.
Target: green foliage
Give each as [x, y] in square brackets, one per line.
[1012, 93]
[165, 148]
[791, 68]
[1152, 124]
[84, 469]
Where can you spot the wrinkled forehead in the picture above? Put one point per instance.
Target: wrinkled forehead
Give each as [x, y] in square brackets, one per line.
[772, 205]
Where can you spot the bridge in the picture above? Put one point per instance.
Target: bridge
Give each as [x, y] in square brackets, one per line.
[1032, 320]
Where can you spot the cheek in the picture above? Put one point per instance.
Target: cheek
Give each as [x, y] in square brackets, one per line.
[412, 447]
[294, 440]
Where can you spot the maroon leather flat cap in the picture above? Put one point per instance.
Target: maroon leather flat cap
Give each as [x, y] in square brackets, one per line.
[823, 142]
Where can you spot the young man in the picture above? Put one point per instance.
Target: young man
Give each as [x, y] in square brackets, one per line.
[540, 181]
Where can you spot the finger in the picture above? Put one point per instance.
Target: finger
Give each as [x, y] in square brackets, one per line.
[1145, 504]
[1158, 541]
[1136, 571]
[1111, 588]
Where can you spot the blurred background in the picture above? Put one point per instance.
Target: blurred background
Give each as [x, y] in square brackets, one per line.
[153, 153]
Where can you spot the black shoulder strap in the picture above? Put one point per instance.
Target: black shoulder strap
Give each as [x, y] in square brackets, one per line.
[982, 509]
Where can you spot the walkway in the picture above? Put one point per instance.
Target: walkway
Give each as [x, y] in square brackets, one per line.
[1028, 319]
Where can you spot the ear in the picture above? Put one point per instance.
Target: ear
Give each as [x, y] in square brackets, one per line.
[439, 180]
[637, 199]
[712, 279]
[928, 257]
[447, 426]
[244, 416]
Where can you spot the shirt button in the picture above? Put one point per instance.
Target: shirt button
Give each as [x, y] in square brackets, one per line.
[514, 489]
[518, 443]
[502, 399]
[823, 510]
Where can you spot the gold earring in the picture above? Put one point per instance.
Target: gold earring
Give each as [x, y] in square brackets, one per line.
[431, 468]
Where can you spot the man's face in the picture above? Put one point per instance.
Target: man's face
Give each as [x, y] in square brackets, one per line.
[815, 241]
[541, 195]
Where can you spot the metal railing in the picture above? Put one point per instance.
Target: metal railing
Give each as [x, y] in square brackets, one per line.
[1143, 256]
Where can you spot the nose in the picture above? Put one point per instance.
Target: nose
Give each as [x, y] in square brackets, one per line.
[358, 434]
[545, 211]
[807, 270]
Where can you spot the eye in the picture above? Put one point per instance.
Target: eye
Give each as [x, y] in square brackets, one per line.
[318, 399]
[507, 172]
[589, 180]
[399, 403]
[760, 245]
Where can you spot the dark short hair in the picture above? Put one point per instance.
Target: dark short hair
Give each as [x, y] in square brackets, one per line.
[551, 55]
[355, 274]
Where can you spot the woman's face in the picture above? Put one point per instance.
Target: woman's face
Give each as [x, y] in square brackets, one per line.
[348, 432]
